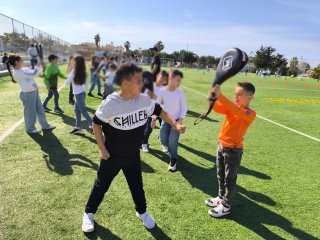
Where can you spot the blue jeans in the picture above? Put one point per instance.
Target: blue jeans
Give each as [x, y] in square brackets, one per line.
[95, 80]
[147, 131]
[169, 138]
[33, 109]
[33, 61]
[108, 89]
[80, 108]
[52, 92]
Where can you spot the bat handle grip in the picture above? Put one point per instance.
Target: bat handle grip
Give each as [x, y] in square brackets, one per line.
[213, 98]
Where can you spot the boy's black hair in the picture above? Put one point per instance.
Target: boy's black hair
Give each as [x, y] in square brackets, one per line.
[32, 45]
[113, 66]
[248, 87]
[164, 73]
[125, 72]
[52, 57]
[176, 72]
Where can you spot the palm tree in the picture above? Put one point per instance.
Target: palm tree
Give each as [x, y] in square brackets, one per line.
[159, 45]
[97, 40]
[127, 45]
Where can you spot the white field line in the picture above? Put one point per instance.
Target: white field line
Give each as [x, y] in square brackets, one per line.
[16, 125]
[266, 119]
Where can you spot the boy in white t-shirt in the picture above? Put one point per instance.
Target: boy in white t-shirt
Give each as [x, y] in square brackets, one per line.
[174, 102]
[108, 80]
[162, 80]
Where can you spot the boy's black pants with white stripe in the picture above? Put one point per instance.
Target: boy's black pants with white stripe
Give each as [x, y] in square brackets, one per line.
[110, 168]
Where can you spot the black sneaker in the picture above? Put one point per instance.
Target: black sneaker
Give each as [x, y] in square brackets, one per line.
[58, 110]
[76, 131]
[90, 95]
[47, 109]
[71, 102]
[172, 165]
[99, 94]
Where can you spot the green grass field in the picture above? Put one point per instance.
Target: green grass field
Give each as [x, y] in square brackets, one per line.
[45, 180]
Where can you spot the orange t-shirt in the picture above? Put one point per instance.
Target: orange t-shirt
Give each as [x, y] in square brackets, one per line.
[236, 123]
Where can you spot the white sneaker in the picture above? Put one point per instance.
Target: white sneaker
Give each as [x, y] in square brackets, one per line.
[219, 211]
[147, 220]
[213, 202]
[88, 223]
[145, 148]
[172, 166]
[50, 127]
[76, 131]
[165, 149]
[35, 131]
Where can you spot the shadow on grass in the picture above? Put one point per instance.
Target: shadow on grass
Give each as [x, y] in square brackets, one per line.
[71, 121]
[58, 158]
[101, 232]
[253, 216]
[146, 167]
[211, 158]
[158, 234]
[245, 210]
[201, 154]
[193, 114]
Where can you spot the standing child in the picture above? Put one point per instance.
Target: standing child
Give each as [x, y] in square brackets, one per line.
[121, 118]
[95, 80]
[51, 75]
[29, 94]
[108, 80]
[174, 102]
[230, 145]
[78, 78]
[162, 80]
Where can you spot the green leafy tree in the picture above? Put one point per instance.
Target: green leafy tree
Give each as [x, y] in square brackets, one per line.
[202, 61]
[280, 64]
[16, 40]
[264, 57]
[293, 68]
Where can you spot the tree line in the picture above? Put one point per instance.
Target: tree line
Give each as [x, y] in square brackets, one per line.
[265, 58]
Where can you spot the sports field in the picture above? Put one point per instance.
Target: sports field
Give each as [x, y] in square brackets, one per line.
[45, 179]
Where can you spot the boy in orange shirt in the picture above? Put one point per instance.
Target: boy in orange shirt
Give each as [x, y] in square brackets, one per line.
[238, 118]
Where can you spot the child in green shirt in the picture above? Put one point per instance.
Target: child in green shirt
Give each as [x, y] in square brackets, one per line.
[51, 75]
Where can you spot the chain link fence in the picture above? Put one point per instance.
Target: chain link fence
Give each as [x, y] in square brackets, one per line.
[16, 37]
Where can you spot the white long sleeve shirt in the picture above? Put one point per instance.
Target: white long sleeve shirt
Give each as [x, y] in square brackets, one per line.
[76, 89]
[173, 102]
[25, 78]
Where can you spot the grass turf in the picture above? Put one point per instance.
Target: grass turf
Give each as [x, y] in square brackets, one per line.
[46, 179]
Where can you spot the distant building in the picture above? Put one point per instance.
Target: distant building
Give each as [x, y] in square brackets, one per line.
[87, 49]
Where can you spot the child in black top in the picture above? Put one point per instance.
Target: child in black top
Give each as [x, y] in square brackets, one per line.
[122, 118]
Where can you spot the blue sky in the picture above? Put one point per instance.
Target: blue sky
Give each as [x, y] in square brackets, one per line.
[204, 27]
